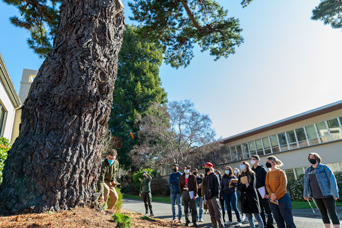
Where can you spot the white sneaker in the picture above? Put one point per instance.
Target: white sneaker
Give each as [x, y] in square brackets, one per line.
[246, 219]
[229, 223]
[238, 224]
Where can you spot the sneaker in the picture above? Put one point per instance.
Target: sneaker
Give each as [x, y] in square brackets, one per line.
[200, 220]
[187, 224]
[146, 213]
[229, 223]
[246, 219]
[151, 214]
[194, 224]
[239, 224]
[174, 220]
[180, 221]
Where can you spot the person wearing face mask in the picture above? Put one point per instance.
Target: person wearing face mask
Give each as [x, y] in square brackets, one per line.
[249, 196]
[199, 199]
[276, 184]
[188, 188]
[260, 174]
[210, 192]
[219, 175]
[238, 196]
[228, 194]
[175, 194]
[107, 180]
[320, 184]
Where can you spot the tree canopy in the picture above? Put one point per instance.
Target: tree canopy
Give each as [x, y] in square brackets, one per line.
[330, 12]
[138, 86]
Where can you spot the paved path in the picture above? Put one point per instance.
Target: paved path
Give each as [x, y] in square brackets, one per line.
[303, 218]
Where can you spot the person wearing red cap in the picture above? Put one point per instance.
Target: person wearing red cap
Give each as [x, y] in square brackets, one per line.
[210, 190]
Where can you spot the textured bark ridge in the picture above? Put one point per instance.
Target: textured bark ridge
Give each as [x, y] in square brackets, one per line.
[55, 161]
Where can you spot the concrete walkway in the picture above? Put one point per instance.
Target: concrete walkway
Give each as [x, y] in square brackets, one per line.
[304, 218]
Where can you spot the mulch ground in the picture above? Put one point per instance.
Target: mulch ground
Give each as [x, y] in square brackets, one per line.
[78, 217]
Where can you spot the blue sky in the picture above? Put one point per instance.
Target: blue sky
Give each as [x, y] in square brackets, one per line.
[288, 64]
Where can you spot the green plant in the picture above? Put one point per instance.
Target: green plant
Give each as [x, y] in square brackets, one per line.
[118, 204]
[123, 221]
[5, 146]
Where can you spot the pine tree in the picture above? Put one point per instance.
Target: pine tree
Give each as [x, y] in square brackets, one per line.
[330, 12]
[138, 86]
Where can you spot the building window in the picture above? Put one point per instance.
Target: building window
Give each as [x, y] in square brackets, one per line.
[292, 139]
[334, 166]
[233, 153]
[290, 174]
[2, 119]
[299, 172]
[282, 142]
[301, 137]
[245, 153]
[252, 149]
[267, 146]
[274, 143]
[260, 150]
[239, 152]
[323, 132]
[335, 130]
[311, 133]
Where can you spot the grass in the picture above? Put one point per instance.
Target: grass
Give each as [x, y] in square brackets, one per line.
[163, 199]
[305, 204]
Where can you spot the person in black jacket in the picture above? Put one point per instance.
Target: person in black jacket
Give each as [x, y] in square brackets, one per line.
[228, 194]
[210, 190]
[260, 173]
[249, 196]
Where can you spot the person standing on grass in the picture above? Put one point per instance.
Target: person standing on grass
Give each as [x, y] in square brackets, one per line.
[260, 174]
[276, 184]
[320, 184]
[228, 194]
[249, 196]
[188, 188]
[210, 190]
[175, 194]
[145, 192]
[238, 196]
[199, 199]
[219, 175]
[107, 180]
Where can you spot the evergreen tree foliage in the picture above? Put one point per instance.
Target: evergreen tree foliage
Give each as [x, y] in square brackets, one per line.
[137, 86]
[330, 12]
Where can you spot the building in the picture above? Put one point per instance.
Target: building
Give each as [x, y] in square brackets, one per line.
[291, 140]
[9, 105]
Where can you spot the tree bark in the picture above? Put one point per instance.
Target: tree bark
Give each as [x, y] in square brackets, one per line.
[55, 161]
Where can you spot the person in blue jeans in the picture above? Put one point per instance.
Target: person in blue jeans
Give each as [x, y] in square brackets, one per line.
[229, 195]
[320, 184]
[175, 194]
[199, 199]
[280, 202]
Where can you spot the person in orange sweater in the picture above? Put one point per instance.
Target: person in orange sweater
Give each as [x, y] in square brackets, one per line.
[280, 203]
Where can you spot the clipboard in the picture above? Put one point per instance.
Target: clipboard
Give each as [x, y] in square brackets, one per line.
[233, 181]
[244, 180]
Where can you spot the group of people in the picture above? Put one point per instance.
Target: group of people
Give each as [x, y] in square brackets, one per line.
[250, 190]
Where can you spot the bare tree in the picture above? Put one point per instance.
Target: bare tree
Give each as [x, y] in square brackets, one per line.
[173, 134]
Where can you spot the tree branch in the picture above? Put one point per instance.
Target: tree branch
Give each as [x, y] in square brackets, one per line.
[191, 16]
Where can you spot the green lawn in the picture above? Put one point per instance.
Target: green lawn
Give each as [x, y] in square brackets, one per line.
[295, 204]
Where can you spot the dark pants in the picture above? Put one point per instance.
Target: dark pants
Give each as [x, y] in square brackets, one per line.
[215, 214]
[230, 200]
[328, 205]
[222, 208]
[186, 202]
[283, 212]
[265, 207]
[147, 198]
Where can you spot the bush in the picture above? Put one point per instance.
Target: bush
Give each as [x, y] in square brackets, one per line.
[5, 146]
[118, 204]
[295, 188]
[159, 186]
[123, 221]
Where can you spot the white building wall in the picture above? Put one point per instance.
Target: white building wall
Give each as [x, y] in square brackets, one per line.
[6, 102]
[25, 83]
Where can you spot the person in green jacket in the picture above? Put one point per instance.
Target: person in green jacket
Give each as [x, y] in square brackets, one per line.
[107, 181]
[145, 192]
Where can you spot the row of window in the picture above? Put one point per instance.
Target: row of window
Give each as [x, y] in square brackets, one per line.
[313, 134]
[294, 174]
[2, 119]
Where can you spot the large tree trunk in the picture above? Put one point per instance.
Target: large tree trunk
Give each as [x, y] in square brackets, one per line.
[55, 161]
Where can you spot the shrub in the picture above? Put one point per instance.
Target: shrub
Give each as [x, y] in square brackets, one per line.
[296, 187]
[159, 186]
[118, 204]
[123, 221]
[5, 146]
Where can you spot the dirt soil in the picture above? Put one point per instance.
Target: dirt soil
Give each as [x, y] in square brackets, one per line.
[78, 217]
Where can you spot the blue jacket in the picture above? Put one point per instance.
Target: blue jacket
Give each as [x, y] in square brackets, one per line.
[173, 181]
[326, 181]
